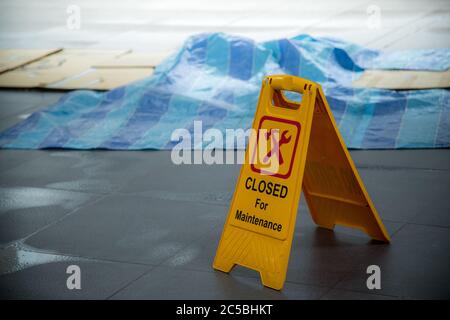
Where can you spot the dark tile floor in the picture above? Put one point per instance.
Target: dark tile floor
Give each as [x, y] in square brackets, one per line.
[141, 227]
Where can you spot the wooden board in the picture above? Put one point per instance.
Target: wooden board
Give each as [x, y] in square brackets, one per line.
[65, 64]
[14, 58]
[133, 60]
[403, 79]
[102, 78]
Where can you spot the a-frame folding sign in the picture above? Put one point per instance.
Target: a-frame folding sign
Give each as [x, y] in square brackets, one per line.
[310, 156]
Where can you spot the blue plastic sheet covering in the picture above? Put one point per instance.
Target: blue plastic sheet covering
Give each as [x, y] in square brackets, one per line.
[216, 78]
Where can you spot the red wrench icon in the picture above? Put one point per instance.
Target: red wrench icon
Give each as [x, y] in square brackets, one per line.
[276, 145]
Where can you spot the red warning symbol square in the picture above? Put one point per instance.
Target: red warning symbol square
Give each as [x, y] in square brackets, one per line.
[275, 154]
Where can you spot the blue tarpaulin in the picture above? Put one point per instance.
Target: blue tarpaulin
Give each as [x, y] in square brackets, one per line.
[216, 78]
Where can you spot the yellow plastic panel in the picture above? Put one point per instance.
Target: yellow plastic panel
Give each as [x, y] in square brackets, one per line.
[296, 145]
[332, 187]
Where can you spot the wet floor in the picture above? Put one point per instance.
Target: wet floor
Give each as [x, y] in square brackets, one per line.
[141, 227]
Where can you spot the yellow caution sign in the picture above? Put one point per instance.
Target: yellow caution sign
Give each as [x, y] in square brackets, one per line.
[295, 146]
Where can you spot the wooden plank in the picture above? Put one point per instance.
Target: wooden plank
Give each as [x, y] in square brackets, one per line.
[13, 58]
[403, 79]
[102, 78]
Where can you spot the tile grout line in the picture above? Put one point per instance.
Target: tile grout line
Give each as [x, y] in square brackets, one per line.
[62, 218]
[130, 283]
[31, 249]
[157, 265]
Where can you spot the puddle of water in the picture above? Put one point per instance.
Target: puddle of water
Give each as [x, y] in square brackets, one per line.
[19, 257]
[15, 198]
[83, 185]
